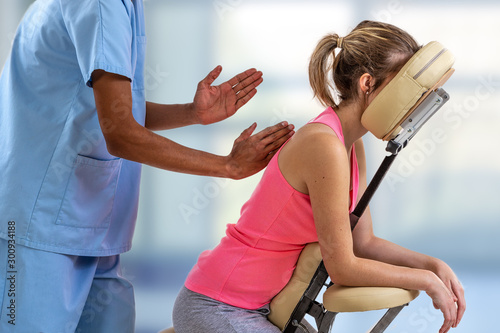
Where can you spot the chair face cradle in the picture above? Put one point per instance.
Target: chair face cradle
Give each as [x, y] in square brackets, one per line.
[425, 72]
[395, 115]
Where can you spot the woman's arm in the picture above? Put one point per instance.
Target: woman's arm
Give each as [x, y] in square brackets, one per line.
[322, 170]
[367, 245]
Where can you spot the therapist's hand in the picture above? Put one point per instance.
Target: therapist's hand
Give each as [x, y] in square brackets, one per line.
[215, 103]
[252, 153]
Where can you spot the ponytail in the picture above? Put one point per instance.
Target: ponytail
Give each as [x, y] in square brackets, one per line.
[322, 62]
[376, 48]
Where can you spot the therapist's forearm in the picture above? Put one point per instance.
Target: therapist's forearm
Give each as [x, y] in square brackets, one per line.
[143, 146]
[126, 138]
[167, 116]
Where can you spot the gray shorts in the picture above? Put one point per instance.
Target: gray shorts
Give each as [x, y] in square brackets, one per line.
[196, 313]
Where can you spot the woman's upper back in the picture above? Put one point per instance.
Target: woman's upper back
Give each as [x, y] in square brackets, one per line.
[318, 140]
[256, 258]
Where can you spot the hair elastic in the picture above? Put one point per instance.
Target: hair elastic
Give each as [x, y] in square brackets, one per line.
[340, 41]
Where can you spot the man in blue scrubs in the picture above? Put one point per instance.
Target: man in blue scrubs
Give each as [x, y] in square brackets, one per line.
[74, 131]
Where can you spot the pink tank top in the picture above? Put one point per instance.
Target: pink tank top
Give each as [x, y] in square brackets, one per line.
[256, 258]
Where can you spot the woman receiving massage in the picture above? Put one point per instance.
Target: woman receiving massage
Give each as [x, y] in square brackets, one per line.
[305, 195]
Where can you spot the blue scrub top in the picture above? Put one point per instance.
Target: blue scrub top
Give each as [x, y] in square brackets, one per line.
[59, 184]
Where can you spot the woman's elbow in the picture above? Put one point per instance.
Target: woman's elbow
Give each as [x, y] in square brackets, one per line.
[341, 277]
[341, 273]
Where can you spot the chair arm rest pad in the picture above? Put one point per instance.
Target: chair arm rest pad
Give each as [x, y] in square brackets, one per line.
[356, 299]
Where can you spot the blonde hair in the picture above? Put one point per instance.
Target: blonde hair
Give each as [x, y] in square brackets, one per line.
[376, 48]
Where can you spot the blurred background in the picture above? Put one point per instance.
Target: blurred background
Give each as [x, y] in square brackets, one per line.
[441, 197]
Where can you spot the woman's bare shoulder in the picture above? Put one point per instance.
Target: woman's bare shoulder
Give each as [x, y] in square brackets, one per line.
[316, 138]
[313, 147]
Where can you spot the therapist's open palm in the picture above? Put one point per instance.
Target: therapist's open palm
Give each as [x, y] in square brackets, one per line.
[216, 103]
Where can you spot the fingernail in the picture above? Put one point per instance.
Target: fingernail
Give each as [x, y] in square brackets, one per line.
[284, 124]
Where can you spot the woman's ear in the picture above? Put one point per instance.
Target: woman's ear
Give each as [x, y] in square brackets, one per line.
[366, 83]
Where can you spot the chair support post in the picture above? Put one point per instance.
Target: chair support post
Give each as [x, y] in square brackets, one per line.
[308, 299]
[387, 319]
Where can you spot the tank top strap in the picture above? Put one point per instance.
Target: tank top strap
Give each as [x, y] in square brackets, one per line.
[330, 118]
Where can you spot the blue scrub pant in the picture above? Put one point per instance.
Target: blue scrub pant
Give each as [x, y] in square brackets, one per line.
[55, 293]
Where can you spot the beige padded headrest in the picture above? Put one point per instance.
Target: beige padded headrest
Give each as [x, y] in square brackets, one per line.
[427, 70]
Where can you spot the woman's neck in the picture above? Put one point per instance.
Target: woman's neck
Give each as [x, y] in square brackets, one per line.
[350, 119]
